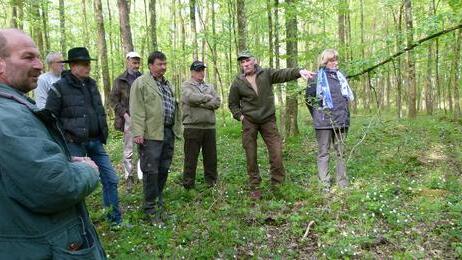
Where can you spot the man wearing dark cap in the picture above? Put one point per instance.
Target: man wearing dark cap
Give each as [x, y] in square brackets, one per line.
[251, 101]
[200, 101]
[120, 97]
[76, 102]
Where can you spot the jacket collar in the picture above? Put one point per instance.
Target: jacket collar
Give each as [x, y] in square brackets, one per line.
[75, 82]
[258, 70]
[14, 92]
[194, 82]
[124, 75]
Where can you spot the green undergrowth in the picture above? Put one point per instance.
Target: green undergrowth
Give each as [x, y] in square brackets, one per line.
[404, 199]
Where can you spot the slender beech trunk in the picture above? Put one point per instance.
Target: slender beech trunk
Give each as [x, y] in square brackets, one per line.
[102, 48]
[456, 74]
[62, 26]
[152, 8]
[428, 82]
[411, 70]
[241, 25]
[125, 29]
[192, 17]
[292, 53]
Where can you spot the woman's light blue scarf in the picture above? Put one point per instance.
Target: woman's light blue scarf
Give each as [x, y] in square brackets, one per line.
[323, 90]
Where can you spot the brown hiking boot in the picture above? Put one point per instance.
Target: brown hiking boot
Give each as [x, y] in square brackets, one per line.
[255, 195]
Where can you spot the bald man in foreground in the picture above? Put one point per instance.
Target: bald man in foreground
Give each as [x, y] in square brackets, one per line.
[42, 188]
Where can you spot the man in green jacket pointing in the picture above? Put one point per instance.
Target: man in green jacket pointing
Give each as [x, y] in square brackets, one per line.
[251, 100]
[42, 189]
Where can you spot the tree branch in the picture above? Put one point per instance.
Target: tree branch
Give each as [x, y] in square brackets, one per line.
[408, 48]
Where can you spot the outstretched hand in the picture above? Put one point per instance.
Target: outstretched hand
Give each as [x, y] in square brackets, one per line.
[307, 74]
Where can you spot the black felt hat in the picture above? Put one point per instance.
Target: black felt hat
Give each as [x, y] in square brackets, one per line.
[78, 54]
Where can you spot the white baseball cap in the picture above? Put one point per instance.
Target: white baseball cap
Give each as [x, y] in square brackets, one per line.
[133, 54]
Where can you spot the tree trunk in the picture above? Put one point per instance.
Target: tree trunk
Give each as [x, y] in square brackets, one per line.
[397, 65]
[85, 20]
[456, 74]
[241, 25]
[269, 10]
[192, 17]
[125, 29]
[389, 87]
[62, 26]
[102, 50]
[437, 64]
[365, 80]
[280, 87]
[46, 34]
[152, 7]
[111, 42]
[349, 51]
[14, 16]
[428, 82]
[17, 14]
[146, 44]
[35, 22]
[411, 71]
[341, 24]
[292, 53]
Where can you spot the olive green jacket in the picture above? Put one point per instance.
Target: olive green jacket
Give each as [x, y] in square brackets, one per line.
[243, 100]
[147, 109]
[199, 102]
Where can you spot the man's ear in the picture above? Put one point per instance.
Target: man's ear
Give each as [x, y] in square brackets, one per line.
[2, 65]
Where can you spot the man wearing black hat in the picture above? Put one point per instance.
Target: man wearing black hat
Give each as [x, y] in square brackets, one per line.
[251, 100]
[199, 104]
[76, 102]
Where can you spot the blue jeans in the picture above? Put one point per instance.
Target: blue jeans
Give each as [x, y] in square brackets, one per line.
[109, 179]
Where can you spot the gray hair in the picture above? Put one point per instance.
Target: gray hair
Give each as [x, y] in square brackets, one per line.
[326, 56]
[51, 56]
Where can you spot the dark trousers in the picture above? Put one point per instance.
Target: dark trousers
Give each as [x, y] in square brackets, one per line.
[194, 140]
[272, 139]
[155, 161]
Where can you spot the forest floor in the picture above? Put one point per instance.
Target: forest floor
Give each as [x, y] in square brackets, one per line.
[404, 199]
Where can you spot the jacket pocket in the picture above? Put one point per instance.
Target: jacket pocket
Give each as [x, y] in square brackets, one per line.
[92, 252]
[75, 242]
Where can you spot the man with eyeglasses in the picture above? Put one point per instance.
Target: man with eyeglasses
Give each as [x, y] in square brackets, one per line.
[46, 80]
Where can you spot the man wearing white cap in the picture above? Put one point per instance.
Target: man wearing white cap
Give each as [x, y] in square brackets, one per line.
[120, 96]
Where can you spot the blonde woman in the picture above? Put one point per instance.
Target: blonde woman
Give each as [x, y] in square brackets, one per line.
[331, 117]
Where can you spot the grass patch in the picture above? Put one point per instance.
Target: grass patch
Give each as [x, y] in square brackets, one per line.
[404, 200]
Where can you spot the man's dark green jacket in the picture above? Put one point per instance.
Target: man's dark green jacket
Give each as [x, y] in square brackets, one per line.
[258, 108]
[42, 212]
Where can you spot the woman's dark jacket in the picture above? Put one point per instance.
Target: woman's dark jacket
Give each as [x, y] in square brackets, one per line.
[324, 118]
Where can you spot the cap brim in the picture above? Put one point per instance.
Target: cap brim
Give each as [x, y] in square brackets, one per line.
[199, 68]
[243, 57]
